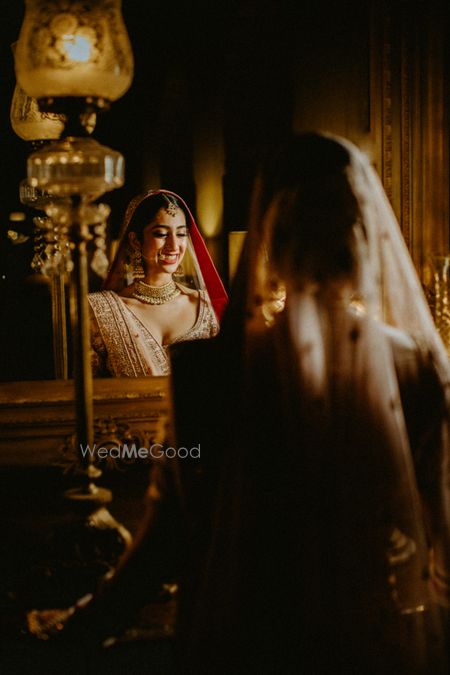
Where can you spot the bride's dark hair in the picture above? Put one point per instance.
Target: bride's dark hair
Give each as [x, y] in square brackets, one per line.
[313, 209]
[148, 209]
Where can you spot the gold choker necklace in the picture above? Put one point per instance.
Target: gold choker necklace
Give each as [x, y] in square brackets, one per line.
[155, 295]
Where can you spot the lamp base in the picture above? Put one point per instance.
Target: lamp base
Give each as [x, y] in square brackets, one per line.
[90, 503]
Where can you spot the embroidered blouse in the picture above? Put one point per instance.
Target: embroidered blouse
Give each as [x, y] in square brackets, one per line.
[122, 346]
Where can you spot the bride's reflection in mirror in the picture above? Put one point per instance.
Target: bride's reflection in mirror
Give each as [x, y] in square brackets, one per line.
[162, 289]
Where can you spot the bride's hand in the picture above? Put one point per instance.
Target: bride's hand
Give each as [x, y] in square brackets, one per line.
[47, 623]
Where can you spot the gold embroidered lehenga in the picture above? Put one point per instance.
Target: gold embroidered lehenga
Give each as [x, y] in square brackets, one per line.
[122, 345]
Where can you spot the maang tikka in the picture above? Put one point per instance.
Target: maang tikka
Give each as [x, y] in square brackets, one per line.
[172, 206]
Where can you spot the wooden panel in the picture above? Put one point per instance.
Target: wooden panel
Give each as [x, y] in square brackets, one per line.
[37, 419]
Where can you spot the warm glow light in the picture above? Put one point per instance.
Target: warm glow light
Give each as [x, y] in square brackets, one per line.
[210, 204]
[78, 48]
[208, 174]
[236, 241]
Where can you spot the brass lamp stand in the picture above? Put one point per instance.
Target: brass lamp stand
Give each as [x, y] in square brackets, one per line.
[74, 59]
[76, 171]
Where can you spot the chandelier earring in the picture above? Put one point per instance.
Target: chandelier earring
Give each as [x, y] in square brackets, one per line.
[137, 269]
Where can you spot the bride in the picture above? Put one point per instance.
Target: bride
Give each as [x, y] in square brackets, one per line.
[162, 289]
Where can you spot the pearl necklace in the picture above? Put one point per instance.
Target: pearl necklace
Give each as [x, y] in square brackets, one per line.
[155, 295]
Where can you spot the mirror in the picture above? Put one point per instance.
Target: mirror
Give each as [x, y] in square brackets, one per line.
[392, 101]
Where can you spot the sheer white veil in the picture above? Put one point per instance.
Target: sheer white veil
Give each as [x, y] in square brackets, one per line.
[325, 297]
[341, 321]
[388, 283]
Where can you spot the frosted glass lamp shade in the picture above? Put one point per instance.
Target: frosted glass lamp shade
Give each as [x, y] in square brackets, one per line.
[78, 49]
[29, 123]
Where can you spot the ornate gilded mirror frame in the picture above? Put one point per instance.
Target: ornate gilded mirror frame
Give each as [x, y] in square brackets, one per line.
[37, 420]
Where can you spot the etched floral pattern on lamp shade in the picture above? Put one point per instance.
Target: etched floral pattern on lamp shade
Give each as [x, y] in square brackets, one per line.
[77, 49]
[29, 123]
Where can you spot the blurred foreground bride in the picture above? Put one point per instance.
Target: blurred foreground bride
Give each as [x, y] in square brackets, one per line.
[330, 551]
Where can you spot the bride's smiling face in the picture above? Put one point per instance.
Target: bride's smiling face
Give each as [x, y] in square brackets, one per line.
[164, 242]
